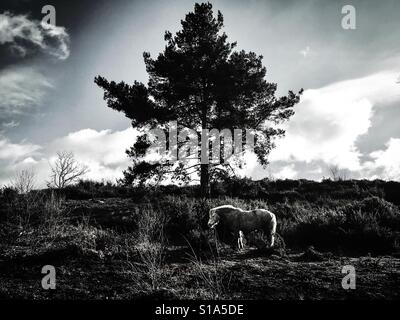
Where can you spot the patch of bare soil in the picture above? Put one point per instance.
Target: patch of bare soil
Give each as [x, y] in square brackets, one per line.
[249, 274]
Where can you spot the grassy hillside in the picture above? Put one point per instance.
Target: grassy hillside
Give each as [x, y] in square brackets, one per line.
[150, 235]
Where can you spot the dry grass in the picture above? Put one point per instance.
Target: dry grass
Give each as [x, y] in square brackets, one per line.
[211, 274]
[143, 259]
[150, 247]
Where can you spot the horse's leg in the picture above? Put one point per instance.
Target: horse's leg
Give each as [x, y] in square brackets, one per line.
[272, 239]
[240, 240]
[270, 235]
[272, 231]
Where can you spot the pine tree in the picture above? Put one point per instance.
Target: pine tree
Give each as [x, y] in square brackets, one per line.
[201, 82]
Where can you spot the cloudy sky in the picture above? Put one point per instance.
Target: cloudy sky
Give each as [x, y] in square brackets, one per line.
[348, 116]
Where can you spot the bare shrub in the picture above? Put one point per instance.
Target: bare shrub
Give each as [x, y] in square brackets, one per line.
[66, 170]
[337, 174]
[25, 204]
[23, 181]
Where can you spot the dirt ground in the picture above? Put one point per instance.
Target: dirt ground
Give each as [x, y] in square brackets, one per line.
[244, 275]
[95, 274]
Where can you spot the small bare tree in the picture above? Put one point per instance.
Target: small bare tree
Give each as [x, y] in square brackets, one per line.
[23, 207]
[337, 174]
[23, 181]
[66, 170]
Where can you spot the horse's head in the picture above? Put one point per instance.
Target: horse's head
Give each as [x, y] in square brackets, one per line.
[214, 219]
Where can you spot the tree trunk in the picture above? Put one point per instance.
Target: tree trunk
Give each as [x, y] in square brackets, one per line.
[205, 180]
[205, 166]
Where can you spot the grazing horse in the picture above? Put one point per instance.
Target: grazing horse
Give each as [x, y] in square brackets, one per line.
[228, 221]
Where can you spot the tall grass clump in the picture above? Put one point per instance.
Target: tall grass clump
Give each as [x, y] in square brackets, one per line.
[150, 247]
[53, 216]
[211, 275]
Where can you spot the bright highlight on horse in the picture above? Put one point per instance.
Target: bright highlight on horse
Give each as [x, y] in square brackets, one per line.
[231, 221]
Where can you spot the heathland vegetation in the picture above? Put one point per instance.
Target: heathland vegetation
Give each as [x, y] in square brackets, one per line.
[143, 235]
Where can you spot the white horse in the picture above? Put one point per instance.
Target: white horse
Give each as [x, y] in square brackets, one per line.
[229, 221]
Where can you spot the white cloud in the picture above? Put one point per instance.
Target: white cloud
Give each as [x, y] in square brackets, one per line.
[105, 148]
[385, 163]
[305, 52]
[24, 35]
[324, 131]
[329, 120]
[21, 88]
[13, 152]
[13, 156]
[103, 151]
[287, 172]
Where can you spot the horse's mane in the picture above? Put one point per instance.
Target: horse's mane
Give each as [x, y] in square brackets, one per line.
[225, 206]
[239, 210]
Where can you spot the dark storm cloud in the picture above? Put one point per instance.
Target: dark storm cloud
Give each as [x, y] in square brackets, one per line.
[29, 52]
[25, 16]
[24, 36]
[71, 14]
